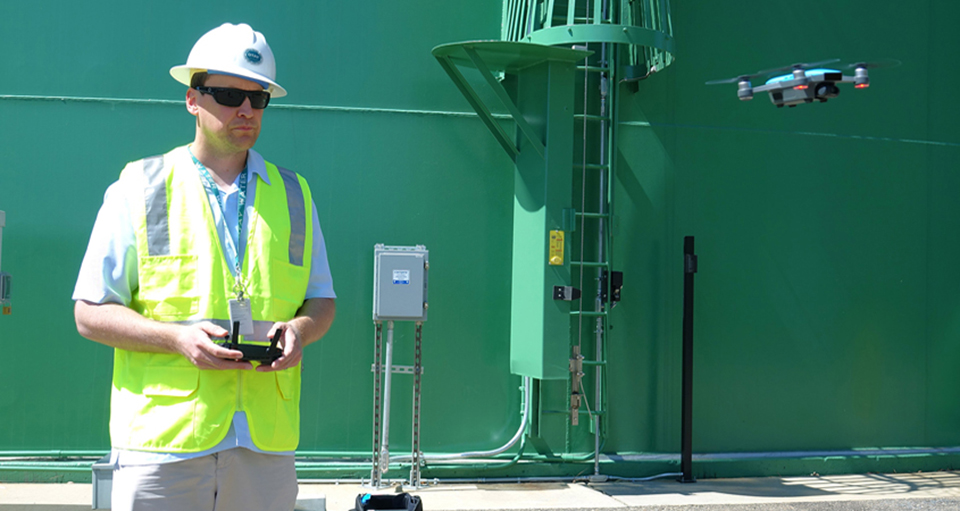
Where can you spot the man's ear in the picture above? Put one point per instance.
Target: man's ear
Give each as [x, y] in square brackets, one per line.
[192, 105]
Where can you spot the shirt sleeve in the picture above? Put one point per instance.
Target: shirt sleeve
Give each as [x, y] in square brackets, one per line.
[321, 282]
[108, 273]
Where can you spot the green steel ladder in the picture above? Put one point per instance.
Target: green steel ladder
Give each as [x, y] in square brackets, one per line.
[597, 133]
[634, 39]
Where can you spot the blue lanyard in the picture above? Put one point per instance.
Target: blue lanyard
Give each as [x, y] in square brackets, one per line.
[211, 187]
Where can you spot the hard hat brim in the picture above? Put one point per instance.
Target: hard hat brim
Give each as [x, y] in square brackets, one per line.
[184, 73]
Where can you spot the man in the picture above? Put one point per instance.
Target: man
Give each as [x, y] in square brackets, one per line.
[187, 247]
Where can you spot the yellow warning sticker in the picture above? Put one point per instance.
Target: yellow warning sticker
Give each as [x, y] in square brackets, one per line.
[556, 248]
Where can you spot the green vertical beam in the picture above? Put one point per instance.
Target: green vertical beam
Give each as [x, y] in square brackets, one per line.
[539, 95]
[540, 326]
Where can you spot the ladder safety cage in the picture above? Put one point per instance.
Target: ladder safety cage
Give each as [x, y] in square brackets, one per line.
[644, 26]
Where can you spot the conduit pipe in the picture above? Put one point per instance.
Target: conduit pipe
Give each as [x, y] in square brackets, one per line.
[53, 453]
[524, 419]
[388, 371]
[490, 480]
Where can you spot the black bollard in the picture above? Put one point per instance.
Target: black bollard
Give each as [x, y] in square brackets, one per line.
[686, 418]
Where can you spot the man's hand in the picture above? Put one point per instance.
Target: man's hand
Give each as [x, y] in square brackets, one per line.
[120, 327]
[292, 349]
[194, 342]
[311, 323]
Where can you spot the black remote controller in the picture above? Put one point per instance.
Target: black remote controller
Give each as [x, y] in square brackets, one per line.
[253, 352]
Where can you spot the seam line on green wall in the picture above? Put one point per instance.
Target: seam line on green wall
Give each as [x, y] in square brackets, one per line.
[850, 453]
[318, 108]
[644, 124]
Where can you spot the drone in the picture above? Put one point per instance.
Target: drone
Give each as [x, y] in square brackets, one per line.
[805, 82]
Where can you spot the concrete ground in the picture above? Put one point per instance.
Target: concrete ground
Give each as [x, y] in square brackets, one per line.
[916, 491]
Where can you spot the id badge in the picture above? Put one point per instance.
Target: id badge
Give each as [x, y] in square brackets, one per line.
[240, 311]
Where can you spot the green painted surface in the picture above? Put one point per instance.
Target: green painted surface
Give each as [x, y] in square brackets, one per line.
[824, 299]
[540, 332]
[827, 303]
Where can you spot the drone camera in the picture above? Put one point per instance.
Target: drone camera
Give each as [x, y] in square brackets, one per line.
[827, 90]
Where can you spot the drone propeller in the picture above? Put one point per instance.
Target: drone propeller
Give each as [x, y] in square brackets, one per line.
[736, 79]
[798, 65]
[765, 72]
[861, 79]
[875, 64]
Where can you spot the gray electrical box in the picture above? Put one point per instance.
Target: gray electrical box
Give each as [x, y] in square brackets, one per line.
[400, 283]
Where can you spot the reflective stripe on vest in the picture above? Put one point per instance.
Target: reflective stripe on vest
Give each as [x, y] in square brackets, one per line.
[298, 215]
[158, 224]
[158, 227]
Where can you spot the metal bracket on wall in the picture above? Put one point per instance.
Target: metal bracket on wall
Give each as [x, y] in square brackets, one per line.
[576, 374]
[566, 293]
[615, 284]
[509, 57]
[395, 369]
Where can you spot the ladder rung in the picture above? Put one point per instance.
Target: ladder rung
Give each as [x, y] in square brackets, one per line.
[591, 166]
[591, 117]
[594, 362]
[594, 69]
[593, 215]
[589, 264]
[595, 314]
[579, 412]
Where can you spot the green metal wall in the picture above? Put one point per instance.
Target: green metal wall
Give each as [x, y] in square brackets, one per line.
[827, 304]
[826, 315]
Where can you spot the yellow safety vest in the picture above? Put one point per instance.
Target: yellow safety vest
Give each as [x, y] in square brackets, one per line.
[160, 401]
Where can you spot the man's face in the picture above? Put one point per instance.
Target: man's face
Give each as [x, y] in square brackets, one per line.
[225, 129]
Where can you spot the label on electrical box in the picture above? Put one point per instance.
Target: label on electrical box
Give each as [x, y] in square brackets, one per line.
[556, 248]
[401, 276]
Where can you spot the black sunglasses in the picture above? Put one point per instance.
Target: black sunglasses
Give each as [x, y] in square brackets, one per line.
[259, 99]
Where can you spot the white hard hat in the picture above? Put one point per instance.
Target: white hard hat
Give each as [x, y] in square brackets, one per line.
[235, 50]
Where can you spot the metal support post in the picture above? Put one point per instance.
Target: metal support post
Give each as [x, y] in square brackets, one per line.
[686, 419]
[4, 277]
[399, 293]
[388, 371]
[377, 370]
[417, 371]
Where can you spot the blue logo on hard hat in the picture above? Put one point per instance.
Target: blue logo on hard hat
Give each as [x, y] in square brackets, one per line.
[253, 56]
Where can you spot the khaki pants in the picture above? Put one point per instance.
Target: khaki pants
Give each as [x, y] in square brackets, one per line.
[232, 480]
